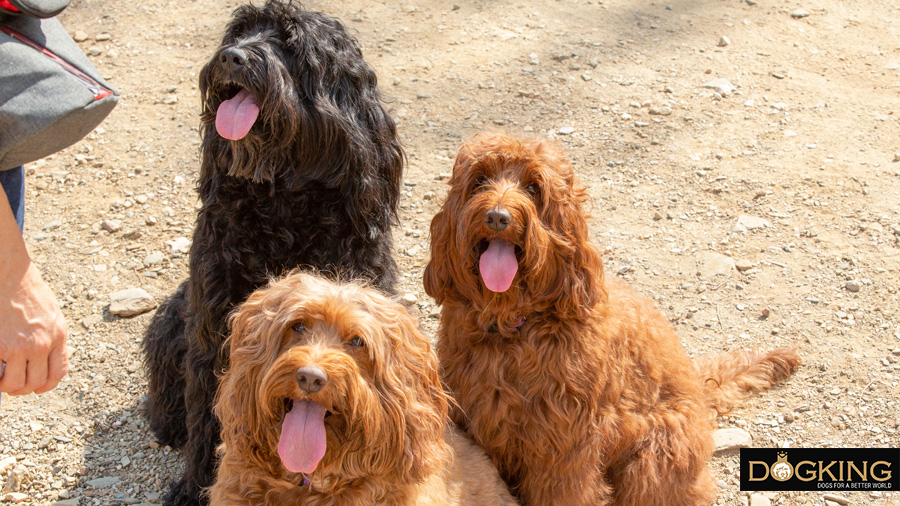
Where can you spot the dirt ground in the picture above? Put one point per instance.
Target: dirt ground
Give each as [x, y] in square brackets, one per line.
[768, 215]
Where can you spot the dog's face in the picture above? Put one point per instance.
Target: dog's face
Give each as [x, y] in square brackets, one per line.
[511, 238]
[285, 86]
[334, 381]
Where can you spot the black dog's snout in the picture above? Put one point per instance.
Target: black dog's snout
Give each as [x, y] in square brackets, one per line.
[311, 379]
[233, 59]
[497, 219]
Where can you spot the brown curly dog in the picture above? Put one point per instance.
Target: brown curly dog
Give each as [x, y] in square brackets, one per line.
[576, 386]
[333, 398]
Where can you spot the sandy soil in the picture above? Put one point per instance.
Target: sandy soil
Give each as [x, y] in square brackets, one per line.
[807, 141]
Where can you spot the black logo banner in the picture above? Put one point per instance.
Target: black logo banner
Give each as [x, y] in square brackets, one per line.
[811, 469]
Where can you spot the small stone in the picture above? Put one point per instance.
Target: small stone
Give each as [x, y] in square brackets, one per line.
[103, 36]
[111, 226]
[751, 2]
[80, 36]
[731, 439]
[897, 157]
[105, 481]
[141, 199]
[715, 264]
[836, 498]
[409, 298]
[759, 500]
[6, 464]
[66, 502]
[413, 251]
[746, 222]
[130, 302]
[657, 216]
[660, 111]
[566, 130]
[180, 245]
[170, 99]
[15, 497]
[724, 41]
[721, 85]
[154, 258]
[853, 286]
[799, 13]
[892, 66]
[125, 461]
[743, 264]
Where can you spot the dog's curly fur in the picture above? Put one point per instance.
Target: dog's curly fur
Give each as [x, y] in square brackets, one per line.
[315, 182]
[389, 438]
[576, 386]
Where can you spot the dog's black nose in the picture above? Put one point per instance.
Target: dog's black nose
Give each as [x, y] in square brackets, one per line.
[233, 59]
[497, 219]
[311, 379]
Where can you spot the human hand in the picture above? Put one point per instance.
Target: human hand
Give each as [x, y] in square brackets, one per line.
[32, 335]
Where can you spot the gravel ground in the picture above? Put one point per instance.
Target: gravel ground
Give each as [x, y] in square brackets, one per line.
[742, 158]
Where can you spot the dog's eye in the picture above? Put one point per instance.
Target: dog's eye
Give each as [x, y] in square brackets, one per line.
[356, 342]
[480, 183]
[533, 189]
[298, 327]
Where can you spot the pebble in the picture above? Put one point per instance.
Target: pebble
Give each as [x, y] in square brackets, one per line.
[130, 302]
[15, 497]
[724, 41]
[892, 66]
[409, 298]
[80, 36]
[715, 264]
[743, 264]
[731, 439]
[103, 36]
[897, 157]
[6, 464]
[105, 481]
[566, 130]
[799, 13]
[413, 251]
[836, 498]
[180, 245]
[67, 502]
[111, 226]
[153, 258]
[89, 321]
[660, 111]
[853, 286]
[746, 222]
[721, 85]
[759, 500]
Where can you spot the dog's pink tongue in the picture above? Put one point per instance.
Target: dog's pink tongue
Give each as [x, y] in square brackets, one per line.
[302, 443]
[498, 265]
[235, 117]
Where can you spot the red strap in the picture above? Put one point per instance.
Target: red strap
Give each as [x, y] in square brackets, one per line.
[4, 4]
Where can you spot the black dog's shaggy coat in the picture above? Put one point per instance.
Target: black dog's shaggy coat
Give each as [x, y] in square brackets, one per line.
[314, 183]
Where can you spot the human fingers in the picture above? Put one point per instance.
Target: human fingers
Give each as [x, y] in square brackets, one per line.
[13, 375]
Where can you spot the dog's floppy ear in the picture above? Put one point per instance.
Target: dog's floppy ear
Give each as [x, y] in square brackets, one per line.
[577, 277]
[444, 257]
[412, 396]
[237, 403]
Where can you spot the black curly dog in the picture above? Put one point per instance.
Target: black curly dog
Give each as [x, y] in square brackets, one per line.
[300, 167]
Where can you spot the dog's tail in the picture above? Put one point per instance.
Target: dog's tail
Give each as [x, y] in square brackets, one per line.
[730, 377]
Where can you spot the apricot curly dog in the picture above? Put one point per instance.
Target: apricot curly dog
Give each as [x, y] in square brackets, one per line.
[333, 398]
[576, 386]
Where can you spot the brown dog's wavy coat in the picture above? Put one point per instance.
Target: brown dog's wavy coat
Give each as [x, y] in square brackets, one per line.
[576, 386]
[360, 357]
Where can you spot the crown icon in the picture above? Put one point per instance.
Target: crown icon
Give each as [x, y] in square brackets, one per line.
[782, 455]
